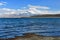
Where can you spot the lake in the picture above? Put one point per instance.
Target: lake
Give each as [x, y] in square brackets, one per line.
[11, 27]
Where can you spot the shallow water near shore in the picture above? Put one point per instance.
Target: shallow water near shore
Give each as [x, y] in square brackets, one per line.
[11, 27]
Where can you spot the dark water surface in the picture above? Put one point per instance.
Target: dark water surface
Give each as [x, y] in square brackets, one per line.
[9, 28]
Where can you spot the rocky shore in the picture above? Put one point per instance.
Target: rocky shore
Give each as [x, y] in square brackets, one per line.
[33, 37]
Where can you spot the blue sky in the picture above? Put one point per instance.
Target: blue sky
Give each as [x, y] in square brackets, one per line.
[15, 4]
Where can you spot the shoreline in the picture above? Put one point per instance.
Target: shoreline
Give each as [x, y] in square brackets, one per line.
[30, 36]
[39, 17]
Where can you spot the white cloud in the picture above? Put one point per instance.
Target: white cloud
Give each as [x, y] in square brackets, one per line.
[41, 10]
[3, 3]
[32, 9]
[6, 12]
[40, 7]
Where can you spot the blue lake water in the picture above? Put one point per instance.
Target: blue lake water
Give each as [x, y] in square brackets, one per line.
[9, 28]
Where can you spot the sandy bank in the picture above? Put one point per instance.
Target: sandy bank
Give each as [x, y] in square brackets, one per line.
[33, 37]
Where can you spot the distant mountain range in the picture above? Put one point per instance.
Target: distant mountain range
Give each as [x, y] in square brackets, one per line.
[47, 15]
[29, 15]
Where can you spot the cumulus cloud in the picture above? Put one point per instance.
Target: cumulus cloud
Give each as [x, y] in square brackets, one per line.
[41, 7]
[41, 10]
[3, 3]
